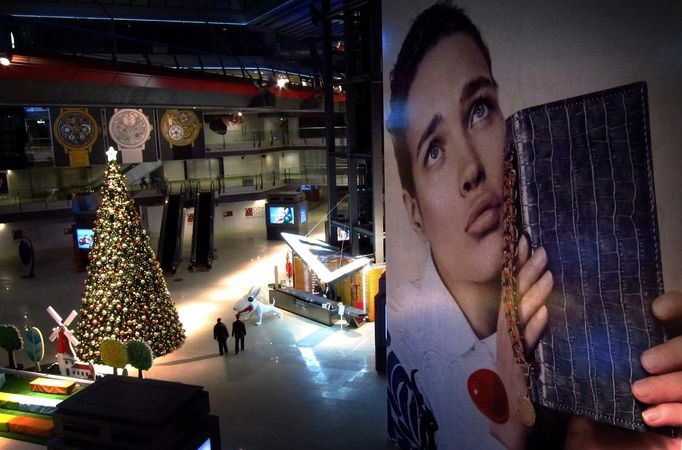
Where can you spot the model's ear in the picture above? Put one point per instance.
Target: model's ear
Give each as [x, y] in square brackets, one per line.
[415, 215]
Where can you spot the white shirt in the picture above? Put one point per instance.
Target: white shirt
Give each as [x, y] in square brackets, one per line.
[430, 333]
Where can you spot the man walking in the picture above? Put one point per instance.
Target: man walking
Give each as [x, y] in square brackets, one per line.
[238, 333]
[220, 334]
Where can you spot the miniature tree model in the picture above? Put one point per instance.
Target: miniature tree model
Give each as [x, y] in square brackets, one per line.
[139, 356]
[114, 354]
[125, 294]
[10, 340]
[35, 346]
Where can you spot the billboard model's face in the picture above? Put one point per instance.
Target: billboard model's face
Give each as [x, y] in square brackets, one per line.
[456, 135]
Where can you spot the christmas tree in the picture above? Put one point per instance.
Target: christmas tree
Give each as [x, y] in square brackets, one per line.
[125, 296]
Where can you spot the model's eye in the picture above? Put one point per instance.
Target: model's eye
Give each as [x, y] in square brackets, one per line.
[433, 153]
[479, 112]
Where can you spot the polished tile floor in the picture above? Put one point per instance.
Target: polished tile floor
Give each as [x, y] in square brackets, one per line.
[297, 385]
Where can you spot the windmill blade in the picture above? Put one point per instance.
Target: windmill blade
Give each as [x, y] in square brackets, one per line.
[55, 334]
[54, 315]
[70, 317]
[70, 337]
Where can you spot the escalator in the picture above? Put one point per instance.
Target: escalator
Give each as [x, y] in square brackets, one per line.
[170, 239]
[202, 236]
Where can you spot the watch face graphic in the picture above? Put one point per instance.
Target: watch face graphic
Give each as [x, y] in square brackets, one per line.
[180, 127]
[130, 128]
[76, 130]
[175, 132]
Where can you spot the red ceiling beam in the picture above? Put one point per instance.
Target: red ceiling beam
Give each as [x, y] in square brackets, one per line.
[79, 71]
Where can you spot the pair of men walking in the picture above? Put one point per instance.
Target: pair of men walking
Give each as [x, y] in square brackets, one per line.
[221, 333]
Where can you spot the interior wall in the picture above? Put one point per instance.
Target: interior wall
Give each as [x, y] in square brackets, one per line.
[290, 160]
[174, 170]
[45, 235]
[202, 168]
[242, 165]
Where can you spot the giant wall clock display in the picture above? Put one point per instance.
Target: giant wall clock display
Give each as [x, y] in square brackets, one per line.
[180, 127]
[130, 129]
[76, 130]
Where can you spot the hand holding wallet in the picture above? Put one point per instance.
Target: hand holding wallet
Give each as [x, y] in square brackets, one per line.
[586, 194]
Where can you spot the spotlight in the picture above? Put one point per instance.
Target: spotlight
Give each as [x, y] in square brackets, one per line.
[281, 82]
[5, 59]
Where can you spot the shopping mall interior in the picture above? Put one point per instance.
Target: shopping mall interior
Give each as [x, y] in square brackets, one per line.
[259, 105]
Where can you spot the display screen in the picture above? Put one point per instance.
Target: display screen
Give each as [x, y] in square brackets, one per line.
[206, 445]
[304, 214]
[84, 238]
[342, 234]
[281, 214]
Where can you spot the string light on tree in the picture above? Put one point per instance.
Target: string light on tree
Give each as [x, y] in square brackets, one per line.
[125, 296]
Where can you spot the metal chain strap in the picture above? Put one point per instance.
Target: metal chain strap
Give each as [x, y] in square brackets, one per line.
[510, 300]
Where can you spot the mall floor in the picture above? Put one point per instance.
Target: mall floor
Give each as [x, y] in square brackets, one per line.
[297, 385]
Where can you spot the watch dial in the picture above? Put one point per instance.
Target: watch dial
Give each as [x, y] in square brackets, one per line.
[129, 128]
[176, 132]
[76, 129]
[180, 127]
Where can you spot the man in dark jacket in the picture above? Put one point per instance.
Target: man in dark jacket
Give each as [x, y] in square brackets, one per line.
[220, 334]
[238, 333]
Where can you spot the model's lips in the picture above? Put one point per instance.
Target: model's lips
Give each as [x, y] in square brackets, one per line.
[484, 215]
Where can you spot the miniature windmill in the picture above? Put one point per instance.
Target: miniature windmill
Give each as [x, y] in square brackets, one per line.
[69, 365]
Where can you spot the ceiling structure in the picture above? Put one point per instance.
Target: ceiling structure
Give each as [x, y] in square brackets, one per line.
[252, 42]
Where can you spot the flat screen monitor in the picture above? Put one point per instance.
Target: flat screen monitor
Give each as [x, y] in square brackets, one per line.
[342, 234]
[85, 238]
[281, 215]
[304, 214]
[206, 445]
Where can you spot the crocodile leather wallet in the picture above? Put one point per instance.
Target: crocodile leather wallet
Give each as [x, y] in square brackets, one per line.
[586, 195]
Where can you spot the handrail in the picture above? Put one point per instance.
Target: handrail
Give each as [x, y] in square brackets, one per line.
[51, 198]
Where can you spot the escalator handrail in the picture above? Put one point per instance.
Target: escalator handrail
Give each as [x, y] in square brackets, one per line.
[164, 237]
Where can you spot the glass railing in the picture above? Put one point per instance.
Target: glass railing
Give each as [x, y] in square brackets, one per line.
[29, 200]
[236, 140]
[60, 198]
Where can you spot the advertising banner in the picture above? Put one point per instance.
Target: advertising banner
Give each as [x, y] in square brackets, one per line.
[181, 134]
[131, 132]
[77, 136]
[555, 122]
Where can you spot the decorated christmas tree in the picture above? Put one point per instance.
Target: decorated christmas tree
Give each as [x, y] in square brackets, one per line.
[125, 297]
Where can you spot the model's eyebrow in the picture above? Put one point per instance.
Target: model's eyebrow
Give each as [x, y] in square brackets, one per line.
[436, 120]
[473, 86]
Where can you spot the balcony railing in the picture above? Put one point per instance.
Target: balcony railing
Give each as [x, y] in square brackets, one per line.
[60, 197]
